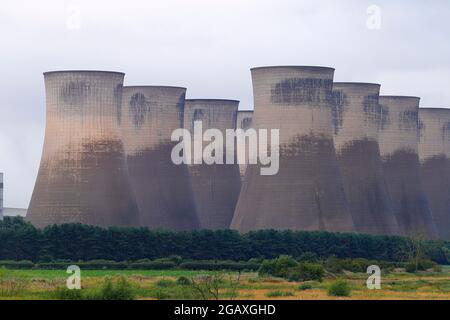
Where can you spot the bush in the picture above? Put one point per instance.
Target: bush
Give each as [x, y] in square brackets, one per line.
[306, 272]
[278, 293]
[67, 294]
[22, 264]
[421, 265]
[219, 265]
[183, 281]
[164, 283]
[305, 286]
[153, 265]
[339, 288]
[279, 267]
[116, 290]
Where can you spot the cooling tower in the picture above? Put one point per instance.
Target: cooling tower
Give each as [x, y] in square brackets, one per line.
[216, 186]
[162, 189]
[307, 192]
[83, 175]
[399, 152]
[1, 195]
[434, 153]
[356, 118]
[244, 122]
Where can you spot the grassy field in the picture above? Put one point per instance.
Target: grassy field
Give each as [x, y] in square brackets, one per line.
[150, 284]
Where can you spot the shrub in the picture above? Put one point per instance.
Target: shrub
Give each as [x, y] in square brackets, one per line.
[339, 288]
[305, 286]
[421, 265]
[164, 283]
[278, 293]
[21, 264]
[279, 267]
[153, 265]
[67, 294]
[183, 281]
[305, 272]
[219, 265]
[115, 290]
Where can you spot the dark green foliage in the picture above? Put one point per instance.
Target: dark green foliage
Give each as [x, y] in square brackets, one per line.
[164, 283]
[339, 288]
[335, 265]
[279, 267]
[183, 281]
[288, 268]
[305, 286]
[279, 293]
[220, 265]
[19, 240]
[420, 265]
[120, 289]
[306, 271]
[23, 264]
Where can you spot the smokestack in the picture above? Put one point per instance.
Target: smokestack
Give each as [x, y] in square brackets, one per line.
[162, 188]
[83, 175]
[216, 186]
[434, 153]
[356, 118]
[244, 122]
[307, 192]
[399, 152]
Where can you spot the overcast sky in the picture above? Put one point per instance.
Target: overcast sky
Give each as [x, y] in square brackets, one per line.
[207, 46]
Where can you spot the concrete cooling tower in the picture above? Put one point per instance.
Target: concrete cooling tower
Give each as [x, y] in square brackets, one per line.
[399, 151]
[162, 188]
[244, 122]
[356, 119]
[216, 186]
[307, 192]
[83, 175]
[434, 152]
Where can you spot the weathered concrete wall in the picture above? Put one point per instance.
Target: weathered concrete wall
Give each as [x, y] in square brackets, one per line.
[217, 186]
[165, 199]
[83, 175]
[356, 120]
[244, 122]
[399, 151]
[307, 193]
[434, 152]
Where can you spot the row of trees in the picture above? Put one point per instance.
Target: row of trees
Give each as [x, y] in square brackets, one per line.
[19, 240]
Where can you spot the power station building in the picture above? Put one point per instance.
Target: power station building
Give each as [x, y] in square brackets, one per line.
[399, 150]
[216, 186]
[434, 152]
[83, 174]
[307, 192]
[356, 119]
[163, 192]
[244, 122]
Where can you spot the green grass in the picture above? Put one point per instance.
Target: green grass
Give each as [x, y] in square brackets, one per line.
[164, 284]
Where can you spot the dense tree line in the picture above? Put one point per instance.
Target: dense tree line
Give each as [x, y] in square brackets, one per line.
[19, 240]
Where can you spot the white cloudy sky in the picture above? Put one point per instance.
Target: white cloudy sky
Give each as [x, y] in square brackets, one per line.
[207, 46]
